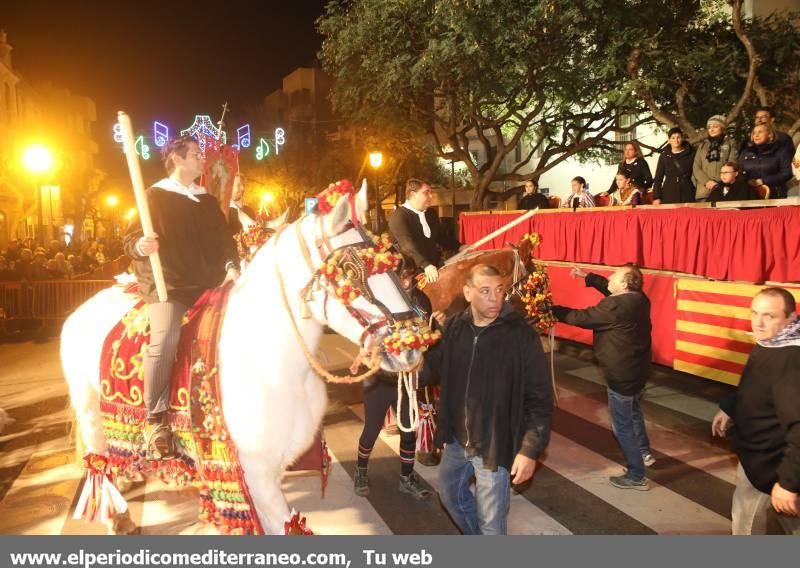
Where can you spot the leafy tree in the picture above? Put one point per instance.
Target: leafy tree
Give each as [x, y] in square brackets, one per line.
[456, 71]
[552, 76]
[690, 60]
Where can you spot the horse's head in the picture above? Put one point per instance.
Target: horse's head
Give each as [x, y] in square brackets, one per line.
[355, 289]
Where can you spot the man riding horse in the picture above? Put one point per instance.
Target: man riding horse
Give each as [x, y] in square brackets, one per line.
[197, 253]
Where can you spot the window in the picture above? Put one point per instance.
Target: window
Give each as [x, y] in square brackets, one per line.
[625, 121]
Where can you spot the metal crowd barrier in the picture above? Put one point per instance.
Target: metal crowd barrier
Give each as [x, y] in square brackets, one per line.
[46, 299]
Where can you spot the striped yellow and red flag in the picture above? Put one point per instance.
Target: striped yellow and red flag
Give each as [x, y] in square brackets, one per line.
[712, 337]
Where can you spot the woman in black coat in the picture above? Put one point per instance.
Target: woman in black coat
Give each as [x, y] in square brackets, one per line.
[673, 181]
[634, 166]
[763, 163]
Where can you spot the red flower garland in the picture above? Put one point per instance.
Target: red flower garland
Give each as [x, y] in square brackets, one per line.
[377, 259]
[328, 199]
[536, 294]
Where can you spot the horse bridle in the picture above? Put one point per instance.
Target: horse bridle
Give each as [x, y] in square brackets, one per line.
[351, 261]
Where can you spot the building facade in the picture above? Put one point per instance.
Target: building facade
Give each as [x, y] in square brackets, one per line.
[41, 113]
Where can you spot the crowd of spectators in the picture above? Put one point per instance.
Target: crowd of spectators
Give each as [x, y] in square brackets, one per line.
[26, 261]
[762, 166]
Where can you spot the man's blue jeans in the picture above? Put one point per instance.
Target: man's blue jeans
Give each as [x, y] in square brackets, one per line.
[627, 423]
[485, 512]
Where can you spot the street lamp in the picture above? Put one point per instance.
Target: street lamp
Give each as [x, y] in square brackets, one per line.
[375, 161]
[38, 160]
[266, 201]
[112, 201]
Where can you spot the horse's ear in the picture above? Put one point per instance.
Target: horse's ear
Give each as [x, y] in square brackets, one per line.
[278, 222]
[362, 201]
[338, 217]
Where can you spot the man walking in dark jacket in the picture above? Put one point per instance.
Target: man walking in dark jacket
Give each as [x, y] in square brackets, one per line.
[496, 405]
[763, 417]
[621, 328]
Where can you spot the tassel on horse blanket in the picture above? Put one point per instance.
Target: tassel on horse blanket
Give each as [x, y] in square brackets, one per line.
[296, 525]
[100, 501]
[427, 425]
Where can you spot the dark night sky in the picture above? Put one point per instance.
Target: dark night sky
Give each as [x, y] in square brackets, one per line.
[166, 60]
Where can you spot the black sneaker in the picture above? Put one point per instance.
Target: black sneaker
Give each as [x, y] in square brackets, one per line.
[625, 482]
[410, 484]
[361, 482]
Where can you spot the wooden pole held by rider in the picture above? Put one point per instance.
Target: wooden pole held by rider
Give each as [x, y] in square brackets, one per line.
[141, 199]
[493, 234]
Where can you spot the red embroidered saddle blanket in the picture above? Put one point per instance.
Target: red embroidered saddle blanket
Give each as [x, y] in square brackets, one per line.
[207, 457]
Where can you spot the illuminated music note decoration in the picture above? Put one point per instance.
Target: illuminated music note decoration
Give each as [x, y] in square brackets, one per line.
[141, 148]
[160, 133]
[243, 136]
[280, 140]
[117, 133]
[262, 150]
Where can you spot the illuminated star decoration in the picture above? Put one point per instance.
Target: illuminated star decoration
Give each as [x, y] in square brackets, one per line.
[203, 128]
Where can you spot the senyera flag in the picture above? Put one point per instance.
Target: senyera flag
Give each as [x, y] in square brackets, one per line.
[712, 335]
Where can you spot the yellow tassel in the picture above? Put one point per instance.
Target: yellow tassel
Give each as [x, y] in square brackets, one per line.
[305, 311]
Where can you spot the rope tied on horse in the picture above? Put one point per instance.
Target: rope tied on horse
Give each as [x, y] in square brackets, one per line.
[374, 361]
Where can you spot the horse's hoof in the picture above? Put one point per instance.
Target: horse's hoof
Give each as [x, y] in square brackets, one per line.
[122, 524]
[122, 483]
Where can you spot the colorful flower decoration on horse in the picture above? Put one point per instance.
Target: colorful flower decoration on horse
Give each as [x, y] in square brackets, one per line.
[536, 293]
[340, 270]
[248, 242]
[328, 199]
[411, 334]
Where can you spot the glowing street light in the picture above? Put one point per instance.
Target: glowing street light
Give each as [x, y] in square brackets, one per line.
[375, 161]
[116, 223]
[38, 160]
[267, 198]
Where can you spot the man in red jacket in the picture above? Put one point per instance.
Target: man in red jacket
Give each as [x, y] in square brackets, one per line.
[763, 418]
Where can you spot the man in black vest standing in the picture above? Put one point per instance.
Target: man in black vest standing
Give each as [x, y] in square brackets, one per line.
[763, 418]
[417, 229]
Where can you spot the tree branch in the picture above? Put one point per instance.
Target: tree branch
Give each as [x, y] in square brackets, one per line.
[752, 55]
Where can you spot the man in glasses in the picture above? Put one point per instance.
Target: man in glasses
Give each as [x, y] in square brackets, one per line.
[197, 253]
[731, 187]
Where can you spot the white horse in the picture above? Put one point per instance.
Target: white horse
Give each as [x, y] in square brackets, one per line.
[273, 401]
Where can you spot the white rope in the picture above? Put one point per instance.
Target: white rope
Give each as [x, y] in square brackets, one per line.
[409, 381]
[552, 337]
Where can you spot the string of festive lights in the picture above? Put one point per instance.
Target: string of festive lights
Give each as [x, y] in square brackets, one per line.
[203, 128]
